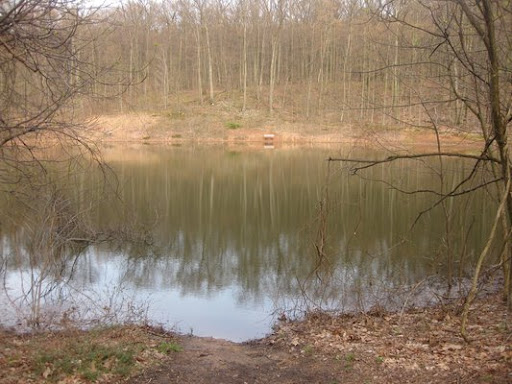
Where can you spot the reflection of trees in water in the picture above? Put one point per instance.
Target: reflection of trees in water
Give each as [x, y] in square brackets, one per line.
[249, 220]
[217, 219]
[43, 245]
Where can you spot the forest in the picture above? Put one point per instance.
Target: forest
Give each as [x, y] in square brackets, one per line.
[236, 230]
[414, 63]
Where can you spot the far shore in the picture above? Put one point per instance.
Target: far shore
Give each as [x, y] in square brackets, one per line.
[160, 128]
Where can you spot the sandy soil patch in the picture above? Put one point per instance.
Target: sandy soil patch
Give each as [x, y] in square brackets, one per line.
[210, 128]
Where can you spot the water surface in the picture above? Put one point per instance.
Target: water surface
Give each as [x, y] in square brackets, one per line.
[217, 241]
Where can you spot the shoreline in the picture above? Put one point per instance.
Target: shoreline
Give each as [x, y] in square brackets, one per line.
[421, 345]
[147, 128]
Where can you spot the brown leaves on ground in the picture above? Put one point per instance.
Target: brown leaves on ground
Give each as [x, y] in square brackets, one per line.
[421, 346]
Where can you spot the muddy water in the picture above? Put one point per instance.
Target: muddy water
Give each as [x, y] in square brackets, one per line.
[219, 241]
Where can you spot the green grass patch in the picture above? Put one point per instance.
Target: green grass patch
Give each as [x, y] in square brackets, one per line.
[88, 360]
[168, 347]
[350, 357]
[349, 361]
[233, 125]
[308, 350]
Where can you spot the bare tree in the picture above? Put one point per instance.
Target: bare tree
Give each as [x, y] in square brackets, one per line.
[44, 70]
[469, 43]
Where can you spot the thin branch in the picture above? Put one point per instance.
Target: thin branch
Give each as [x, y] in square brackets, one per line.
[372, 163]
[436, 193]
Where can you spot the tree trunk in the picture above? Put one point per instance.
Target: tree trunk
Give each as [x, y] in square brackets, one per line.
[346, 69]
[273, 60]
[198, 52]
[244, 60]
[210, 65]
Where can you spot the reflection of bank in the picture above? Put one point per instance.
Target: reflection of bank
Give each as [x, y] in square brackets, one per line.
[268, 139]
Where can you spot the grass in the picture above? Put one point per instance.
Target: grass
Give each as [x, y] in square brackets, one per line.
[308, 350]
[349, 361]
[168, 347]
[111, 353]
[350, 357]
[233, 125]
[89, 361]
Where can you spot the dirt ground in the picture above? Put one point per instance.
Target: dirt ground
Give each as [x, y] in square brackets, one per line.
[422, 346]
[218, 361]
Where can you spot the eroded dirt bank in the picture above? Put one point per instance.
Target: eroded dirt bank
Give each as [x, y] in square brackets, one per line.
[215, 127]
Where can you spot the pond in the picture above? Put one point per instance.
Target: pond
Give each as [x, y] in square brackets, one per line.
[219, 241]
